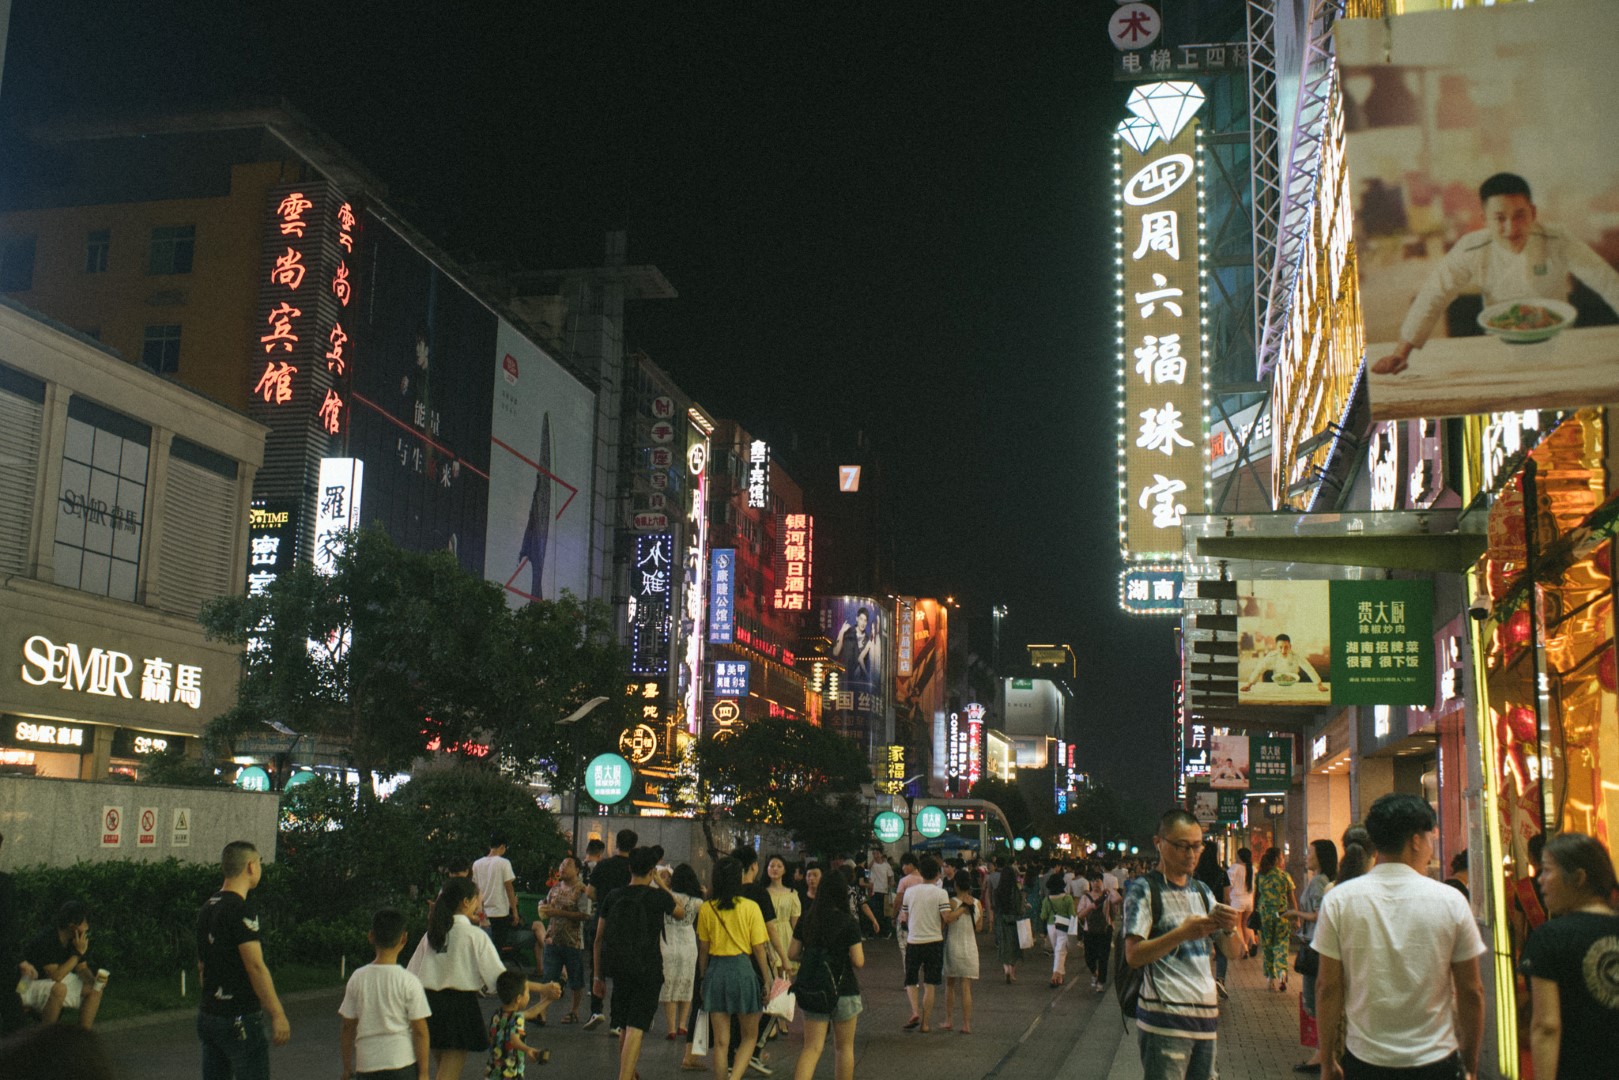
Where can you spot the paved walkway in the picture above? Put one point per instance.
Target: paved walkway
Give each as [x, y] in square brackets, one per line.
[1022, 1030]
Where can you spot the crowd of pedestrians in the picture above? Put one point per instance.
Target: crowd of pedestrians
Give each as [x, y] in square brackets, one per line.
[1388, 957]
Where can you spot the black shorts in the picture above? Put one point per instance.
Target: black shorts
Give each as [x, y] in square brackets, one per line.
[924, 963]
[635, 999]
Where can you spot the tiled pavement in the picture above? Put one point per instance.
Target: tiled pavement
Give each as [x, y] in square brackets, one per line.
[1022, 1030]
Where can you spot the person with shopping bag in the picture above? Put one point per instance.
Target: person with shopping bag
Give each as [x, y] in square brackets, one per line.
[826, 945]
[1011, 923]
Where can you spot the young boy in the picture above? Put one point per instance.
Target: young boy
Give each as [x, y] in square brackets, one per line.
[385, 1011]
[508, 1053]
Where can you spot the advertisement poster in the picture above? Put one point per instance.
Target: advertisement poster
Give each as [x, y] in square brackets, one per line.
[1284, 650]
[919, 695]
[1486, 206]
[857, 629]
[1270, 764]
[421, 401]
[1228, 765]
[539, 474]
[1382, 643]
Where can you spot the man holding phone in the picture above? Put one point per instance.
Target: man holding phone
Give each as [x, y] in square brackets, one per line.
[1178, 1012]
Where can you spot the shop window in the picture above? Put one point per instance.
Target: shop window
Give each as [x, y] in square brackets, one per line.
[16, 264]
[172, 248]
[100, 508]
[160, 349]
[97, 243]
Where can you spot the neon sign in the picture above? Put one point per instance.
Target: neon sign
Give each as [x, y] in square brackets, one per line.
[1161, 444]
[795, 563]
[758, 475]
[651, 588]
[108, 672]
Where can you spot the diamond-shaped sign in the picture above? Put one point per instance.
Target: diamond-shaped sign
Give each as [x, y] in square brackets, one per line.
[1138, 133]
[1170, 105]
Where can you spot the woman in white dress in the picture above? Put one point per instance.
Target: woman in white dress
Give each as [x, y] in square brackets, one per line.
[680, 950]
[961, 952]
[1241, 877]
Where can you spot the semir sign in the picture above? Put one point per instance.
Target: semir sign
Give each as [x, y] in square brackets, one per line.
[108, 673]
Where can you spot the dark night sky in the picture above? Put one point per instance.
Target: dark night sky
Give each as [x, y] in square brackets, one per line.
[892, 214]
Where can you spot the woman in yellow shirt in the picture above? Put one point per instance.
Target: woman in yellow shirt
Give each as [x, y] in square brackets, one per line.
[730, 930]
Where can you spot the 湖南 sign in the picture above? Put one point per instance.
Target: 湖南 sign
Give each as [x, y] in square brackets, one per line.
[1162, 445]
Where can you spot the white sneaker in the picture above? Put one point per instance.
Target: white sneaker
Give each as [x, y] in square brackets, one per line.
[595, 1021]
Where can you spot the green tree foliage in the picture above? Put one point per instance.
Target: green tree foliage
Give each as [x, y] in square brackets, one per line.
[798, 776]
[1098, 815]
[408, 647]
[1010, 798]
[452, 812]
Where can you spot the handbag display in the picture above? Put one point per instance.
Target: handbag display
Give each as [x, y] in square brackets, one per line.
[1065, 923]
[1025, 934]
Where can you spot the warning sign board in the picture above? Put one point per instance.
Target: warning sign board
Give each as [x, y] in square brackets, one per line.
[146, 834]
[180, 833]
[112, 826]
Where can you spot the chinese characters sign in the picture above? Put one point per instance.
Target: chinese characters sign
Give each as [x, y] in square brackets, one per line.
[651, 588]
[731, 678]
[722, 596]
[1151, 592]
[1382, 643]
[795, 563]
[758, 475]
[1161, 445]
[109, 673]
[1270, 764]
[337, 508]
[891, 770]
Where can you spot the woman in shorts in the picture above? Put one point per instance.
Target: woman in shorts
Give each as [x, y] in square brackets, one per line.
[827, 946]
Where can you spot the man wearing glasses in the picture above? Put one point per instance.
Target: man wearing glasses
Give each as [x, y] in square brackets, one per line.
[1178, 1011]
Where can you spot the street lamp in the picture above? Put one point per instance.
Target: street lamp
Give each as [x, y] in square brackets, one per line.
[572, 721]
[910, 807]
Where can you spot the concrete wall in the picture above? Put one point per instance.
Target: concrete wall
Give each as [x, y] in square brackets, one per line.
[61, 822]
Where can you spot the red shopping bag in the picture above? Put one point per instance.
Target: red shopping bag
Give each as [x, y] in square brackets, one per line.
[1307, 1031]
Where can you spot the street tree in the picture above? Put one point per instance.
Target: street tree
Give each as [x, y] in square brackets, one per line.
[391, 649]
[795, 775]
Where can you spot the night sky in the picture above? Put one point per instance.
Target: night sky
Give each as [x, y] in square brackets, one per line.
[890, 215]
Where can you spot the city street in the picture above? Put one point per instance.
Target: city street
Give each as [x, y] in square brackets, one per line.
[1023, 1030]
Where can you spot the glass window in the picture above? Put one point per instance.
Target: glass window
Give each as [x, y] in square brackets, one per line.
[100, 512]
[96, 244]
[160, 350]
[16, 264]
[172, 247]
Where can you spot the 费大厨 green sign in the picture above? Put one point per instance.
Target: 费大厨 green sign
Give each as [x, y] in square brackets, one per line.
[1382, 642]
[608, 778]
[1270, 764]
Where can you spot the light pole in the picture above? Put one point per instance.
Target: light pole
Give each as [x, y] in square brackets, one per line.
[572, 721]
[910, 808]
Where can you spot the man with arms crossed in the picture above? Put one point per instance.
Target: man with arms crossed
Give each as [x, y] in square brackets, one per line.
[1178, 1012]
[1399, 958]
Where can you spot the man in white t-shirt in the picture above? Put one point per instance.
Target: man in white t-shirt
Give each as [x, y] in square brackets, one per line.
[1399, 958]
[881, 877]
[384, 1010]
[925, 912]
[497, 886]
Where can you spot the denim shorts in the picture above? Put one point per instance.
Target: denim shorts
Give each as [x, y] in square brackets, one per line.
[848, 1007]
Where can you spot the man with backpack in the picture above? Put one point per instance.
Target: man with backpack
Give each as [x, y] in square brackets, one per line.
[629, 936]
[1163, 977]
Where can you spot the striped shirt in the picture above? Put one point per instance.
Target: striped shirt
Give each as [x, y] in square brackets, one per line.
[1177, 994]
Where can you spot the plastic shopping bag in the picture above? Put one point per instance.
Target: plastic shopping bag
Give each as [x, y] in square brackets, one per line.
[1025, 934]
[699, 1035]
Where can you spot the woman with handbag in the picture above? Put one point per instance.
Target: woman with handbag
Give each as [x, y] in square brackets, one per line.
[1057, 915]
[1007, 902]
[826, 946]
[730, 928]
[1322, 862]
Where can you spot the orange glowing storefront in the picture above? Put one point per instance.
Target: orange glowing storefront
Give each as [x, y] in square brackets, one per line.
[1551, 755]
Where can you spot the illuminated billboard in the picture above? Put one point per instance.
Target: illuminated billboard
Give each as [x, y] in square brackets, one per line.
[919, 704]
[858, 628]
[795, 563]
[1162, 453]
[1484, 178]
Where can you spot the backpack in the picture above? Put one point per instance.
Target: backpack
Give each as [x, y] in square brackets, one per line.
[1128, 981]
[632, 922]
[816, 986]
[1096, 917]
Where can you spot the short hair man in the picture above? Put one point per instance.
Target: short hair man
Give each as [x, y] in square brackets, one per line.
[1399, 959]
[881, 879]
[638, 972]
[65, 977]
[237, 990]
[926, 912]
[497, 884]
[609, 874]
[1178, 1011]
[1514, 257]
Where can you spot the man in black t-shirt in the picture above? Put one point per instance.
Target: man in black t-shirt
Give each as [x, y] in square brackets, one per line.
[236, 986]
[610, 874]
[66, 979]
[629, 936]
